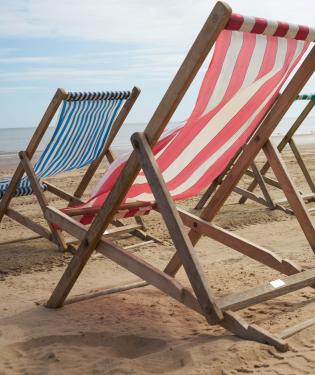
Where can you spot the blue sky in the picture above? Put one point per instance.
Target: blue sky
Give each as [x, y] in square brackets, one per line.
[107, 45]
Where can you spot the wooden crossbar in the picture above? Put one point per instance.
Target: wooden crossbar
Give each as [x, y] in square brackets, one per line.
[286, 140]
[238, 301]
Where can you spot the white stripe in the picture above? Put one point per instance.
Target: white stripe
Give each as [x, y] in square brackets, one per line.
[291, 33]
[248, 24]
[271, 28]
[226, 72]
[219, 121]
[197, 174]
[256, 60]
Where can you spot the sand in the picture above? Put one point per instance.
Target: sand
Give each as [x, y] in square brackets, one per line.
[143, 331]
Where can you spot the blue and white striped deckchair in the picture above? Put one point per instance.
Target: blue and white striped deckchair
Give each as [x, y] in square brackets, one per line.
[84, 123]
[86, 126]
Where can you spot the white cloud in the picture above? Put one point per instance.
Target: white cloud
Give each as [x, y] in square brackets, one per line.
[170, 22]
[151, 38]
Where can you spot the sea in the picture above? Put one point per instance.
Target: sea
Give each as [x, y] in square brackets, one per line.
[13, 140]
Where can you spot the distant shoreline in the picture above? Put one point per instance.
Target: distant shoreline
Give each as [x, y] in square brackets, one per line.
[10, 160]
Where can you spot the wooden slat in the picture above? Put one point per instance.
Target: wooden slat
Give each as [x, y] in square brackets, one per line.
[268, 180]
[302, 165]
[305, 197]
[43, 232]
[239, 244]
[265, 292]
[31, 148]
[211, 189]
[262, 185]
[285, 140]
[130, 262]
[20, 240]
[121, 230]
[106, 292]
[139, 244]
[61, 193]
[43, 203]
[296, 202]
[288, 332]
[250, 195]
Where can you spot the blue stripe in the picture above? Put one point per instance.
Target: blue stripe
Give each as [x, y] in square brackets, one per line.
[79, 137]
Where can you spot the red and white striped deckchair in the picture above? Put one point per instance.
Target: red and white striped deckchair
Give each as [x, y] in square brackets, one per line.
[237, 109]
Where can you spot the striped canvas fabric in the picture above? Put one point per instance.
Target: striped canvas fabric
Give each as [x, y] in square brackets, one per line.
[84, 123]
[251, 61]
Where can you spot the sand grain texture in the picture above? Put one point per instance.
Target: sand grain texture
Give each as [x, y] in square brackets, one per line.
[143, 331]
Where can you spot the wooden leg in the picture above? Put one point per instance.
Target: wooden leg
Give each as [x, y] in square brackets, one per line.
[31, 148]
[236, 324]
[9, 194]
[126, 260]
[176, 228]
[211, 189]
[296, 202]
[262, 185]
[40, 197]
[207, 194]
[23, 220]
[285, 140]
[268, 180]
[302, 165]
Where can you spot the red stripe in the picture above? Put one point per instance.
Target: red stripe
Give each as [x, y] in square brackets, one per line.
[282, 29]
[303, 32]
[217, 168]
[246, 111]
[235, 23]
[209, 82]
[237, 78]
[260, 26]
[228, 131]
[220, 139]
[233, 126]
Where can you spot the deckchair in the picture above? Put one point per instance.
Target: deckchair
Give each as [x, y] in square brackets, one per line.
[260, 180]
[288, 139]
[86, 126]
[179, 164]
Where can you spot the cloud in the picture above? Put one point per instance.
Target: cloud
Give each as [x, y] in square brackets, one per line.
[137, 64]
[169, 22]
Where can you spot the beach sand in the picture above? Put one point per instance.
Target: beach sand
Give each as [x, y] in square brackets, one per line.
[143, 331]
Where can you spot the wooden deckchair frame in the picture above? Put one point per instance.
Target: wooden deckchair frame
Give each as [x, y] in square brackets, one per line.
[25, 166]
[259, 175]
[201, 299]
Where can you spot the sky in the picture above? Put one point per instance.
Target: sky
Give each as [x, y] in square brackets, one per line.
[100, 45]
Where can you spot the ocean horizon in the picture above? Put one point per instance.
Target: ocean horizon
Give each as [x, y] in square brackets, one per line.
[13, 140]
